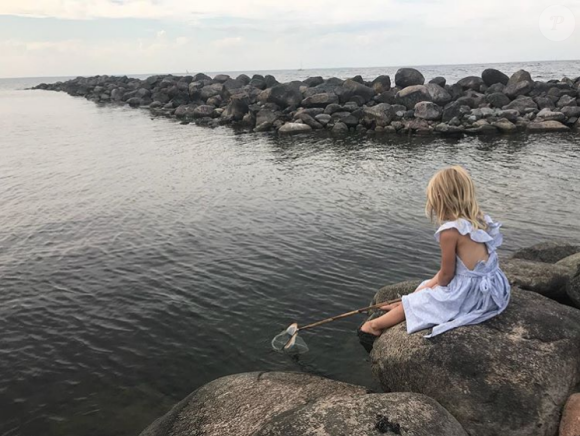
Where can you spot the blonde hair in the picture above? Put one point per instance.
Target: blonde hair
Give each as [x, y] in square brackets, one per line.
[451, 195]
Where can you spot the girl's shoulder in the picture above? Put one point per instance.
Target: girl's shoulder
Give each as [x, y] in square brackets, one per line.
[491, 236]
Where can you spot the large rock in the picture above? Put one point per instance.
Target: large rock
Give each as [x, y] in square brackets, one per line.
[378, 115]
[428, 111]
[568, 111]
[284, 95]
[471, 82]
[293, 404]
[455, 110]
[320, 100]
[510, 375]
[571, 263]
[522, 105]
[520, 83]
[412, 95]
[381, 84]
[505, 126]
[548, 115]
[408, 77]
[237, 108]
[497, 99]
[204, 111]
[351, 88]
[549, 252]
[547, 279]
[547, 126]
[294, 129]
[438, 94]
[265, 120]
[492, 76]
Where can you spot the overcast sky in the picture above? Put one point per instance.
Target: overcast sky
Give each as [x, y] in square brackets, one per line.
[83, 37]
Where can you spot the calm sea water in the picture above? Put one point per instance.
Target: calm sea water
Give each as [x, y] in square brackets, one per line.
[140, 259]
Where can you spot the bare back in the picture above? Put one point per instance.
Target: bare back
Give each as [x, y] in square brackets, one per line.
[471, 252]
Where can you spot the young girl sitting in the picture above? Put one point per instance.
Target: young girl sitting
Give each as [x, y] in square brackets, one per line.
[470, 287]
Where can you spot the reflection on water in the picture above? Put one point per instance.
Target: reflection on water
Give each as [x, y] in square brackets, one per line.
[140, 259]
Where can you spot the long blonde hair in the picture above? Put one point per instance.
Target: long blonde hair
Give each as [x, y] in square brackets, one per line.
[451, 195]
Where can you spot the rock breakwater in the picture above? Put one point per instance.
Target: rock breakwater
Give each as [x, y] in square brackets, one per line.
[490, 104]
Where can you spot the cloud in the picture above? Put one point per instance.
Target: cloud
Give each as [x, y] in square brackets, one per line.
[133, 36]
[229, 42]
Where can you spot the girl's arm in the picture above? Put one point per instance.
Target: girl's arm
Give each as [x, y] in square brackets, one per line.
[448, 241]
[430, 284]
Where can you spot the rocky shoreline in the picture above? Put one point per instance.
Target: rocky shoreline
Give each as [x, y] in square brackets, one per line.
[517, 374]
[491, 104]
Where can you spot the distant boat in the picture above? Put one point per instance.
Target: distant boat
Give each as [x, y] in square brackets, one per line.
[300, 69]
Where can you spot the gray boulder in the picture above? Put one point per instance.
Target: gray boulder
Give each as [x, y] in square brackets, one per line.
[210, 91]
[574, 290]
[134, 102]
[204, 111]
[351, 88]
[547, 126]
[412, 95]
[519, 88]
[544, 102]
[548, 115]
[510, 375]
[549, 252]
[522, 105]
[323, 119]
[339, 128]
[505, 126]
[320, 100]
[471, 82]
[571, 111]
[314, 81]
[408, 77]
[381, 84]
[547, 279]
[378, 115]
[438, 94]
[308, 120]
[566, 100]
[492, 76]
[498, 87]
[441, 81]
[284, 95]
[455, 110]
[258, 81]
[428, 111]
[265, 119]
[520, 83]
[221, 78]
[571, 263]
[509, 114]
[294, 129]
[298, 404]
[497, 99]
[237, 108]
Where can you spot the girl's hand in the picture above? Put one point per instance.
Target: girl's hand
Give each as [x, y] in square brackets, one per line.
[389, 307]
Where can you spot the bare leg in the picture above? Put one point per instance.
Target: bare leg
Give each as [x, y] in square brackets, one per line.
[388, 320]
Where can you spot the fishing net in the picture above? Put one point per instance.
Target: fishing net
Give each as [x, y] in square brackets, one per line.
[283, 343]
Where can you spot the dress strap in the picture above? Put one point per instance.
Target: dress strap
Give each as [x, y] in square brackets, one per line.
[491, 236]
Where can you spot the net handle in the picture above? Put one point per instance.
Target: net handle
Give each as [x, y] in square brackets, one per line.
[345, 315]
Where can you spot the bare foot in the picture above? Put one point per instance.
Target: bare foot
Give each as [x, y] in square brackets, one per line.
[367, 328]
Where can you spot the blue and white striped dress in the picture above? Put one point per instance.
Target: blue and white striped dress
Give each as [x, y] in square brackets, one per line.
[472, 296]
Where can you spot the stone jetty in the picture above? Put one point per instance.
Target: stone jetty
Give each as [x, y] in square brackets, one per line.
[492, 103]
